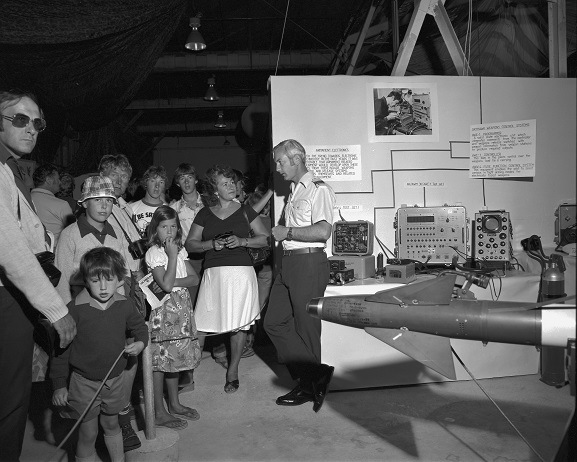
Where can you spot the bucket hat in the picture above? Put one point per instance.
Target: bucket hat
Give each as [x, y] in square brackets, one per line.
[97, 186]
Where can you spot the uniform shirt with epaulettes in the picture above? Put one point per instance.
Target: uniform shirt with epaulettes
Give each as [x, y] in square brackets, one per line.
[311, 201]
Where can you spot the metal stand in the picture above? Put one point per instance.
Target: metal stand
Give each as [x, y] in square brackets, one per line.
[435, 8]
[551, 286]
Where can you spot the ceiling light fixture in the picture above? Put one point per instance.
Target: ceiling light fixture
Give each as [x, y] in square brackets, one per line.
[220, 123]
[211, 94]
[195, 42]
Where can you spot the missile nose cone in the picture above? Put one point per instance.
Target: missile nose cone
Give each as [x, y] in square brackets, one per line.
[315, 307]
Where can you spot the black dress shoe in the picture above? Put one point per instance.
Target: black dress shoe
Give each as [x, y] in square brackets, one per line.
[296, 397]
[321, 385]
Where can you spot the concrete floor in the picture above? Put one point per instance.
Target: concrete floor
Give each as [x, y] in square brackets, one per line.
[451, 421]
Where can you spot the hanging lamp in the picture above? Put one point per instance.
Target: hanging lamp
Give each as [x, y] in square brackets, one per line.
[195, 42]
[220, 123]
[211, 94]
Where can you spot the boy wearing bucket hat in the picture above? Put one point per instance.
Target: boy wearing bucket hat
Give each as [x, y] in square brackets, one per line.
[90, 230]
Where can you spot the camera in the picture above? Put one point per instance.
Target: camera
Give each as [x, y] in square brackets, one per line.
[138, 249]
[223, 235]
[46, 260]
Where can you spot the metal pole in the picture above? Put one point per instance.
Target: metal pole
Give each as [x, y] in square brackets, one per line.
[362, 36]
[395, 21]
[149, 428]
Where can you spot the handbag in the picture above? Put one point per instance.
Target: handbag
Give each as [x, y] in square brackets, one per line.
[258, 255]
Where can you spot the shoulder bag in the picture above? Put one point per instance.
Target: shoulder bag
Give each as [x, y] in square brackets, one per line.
[258, 255]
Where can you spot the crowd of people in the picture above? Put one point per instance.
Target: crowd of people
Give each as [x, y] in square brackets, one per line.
[189, 239]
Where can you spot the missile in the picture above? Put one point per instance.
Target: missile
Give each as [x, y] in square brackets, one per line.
[419, 320]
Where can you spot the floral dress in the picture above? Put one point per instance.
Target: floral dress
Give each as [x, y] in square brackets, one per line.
[173, 337]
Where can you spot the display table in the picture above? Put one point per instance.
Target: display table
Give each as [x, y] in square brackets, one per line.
[362, 361]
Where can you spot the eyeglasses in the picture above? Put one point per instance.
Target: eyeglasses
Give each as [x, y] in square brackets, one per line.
[21, 121]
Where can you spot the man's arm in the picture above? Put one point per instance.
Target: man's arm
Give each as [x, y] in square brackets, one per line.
[319, 232]
[22, 269]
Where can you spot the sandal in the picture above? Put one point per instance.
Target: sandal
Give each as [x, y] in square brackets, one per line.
[231, 386]
[177, 424]
[189, 414]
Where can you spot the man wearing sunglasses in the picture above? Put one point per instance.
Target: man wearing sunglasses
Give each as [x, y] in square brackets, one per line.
[24, 288]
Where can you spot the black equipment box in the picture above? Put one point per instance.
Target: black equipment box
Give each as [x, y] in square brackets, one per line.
[340, 278]
[353, 238]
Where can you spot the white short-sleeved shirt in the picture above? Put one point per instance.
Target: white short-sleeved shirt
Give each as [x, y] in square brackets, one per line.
[156, 256]
[311, 201]
[143, 212]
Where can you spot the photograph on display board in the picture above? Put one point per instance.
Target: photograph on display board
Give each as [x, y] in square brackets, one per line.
[403, 114]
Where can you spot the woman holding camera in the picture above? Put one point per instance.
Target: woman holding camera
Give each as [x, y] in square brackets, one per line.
[228, 295]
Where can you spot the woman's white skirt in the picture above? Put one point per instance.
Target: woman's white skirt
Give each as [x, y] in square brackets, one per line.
[227, 299]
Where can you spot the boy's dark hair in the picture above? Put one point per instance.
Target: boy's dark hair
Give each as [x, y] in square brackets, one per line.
[152, 172]
[164, 212]
[184, 169]
[102, 262]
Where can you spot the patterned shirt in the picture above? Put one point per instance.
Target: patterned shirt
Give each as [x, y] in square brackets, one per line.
[186, 213]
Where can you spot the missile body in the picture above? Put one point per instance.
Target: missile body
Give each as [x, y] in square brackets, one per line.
[418, 319]
[461, 319]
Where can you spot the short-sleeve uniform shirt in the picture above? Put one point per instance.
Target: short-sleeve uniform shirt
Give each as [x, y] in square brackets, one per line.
[311, 201]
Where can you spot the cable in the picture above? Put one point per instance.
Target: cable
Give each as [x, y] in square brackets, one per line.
[87, 407]
[496, 405]
[519, 265]
[467, 48]
[494, 294]
[282, 36]
[383, 247]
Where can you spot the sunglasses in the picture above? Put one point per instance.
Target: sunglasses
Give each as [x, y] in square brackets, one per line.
[21, 121]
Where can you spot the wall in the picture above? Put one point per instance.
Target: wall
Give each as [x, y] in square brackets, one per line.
[333, 111]
[203, 153]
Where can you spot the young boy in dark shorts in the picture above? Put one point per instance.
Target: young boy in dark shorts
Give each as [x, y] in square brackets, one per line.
[103, 317]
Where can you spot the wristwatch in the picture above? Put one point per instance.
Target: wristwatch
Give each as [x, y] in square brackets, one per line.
[289, 234]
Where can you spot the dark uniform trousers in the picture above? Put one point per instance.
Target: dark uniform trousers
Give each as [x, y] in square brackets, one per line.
[17, 319]
[295, 334]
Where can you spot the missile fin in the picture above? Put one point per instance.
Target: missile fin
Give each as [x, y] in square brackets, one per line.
[437, 291]
[430, 350]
